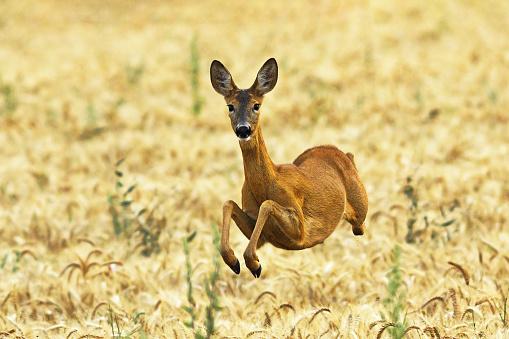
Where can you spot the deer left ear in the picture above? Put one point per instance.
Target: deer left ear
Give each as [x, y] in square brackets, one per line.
[266, 78]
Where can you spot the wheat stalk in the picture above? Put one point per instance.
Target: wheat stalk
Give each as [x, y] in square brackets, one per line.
[5, 299]
[381, 332]
[54, 327]
[287, 305]
[27, 252]
[452, 293]
[264, 293]
[492, 307]
[373, 324]
[472, 311]
[433, 332]
[267, 322]
[432, 300]
[323, 309]
[7, 333]
[74, 330]
[255, 332]
[411, 328]
[102, 303]
[463, 271]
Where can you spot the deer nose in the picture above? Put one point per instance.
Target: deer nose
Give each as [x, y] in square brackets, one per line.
[243, 131]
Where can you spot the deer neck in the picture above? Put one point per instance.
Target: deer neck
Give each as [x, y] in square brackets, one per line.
[259, 170]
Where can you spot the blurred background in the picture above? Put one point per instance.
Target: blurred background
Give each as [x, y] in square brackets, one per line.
[416, 90]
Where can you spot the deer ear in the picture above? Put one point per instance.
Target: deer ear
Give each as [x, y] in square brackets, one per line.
[221, 79]
[266, 78]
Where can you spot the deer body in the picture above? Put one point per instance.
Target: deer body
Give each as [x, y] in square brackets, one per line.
[291, 206]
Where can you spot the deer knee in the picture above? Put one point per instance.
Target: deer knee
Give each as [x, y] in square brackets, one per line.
[228, 205]
[267, 205]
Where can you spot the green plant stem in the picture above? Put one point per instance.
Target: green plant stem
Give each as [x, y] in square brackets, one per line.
[394, 303]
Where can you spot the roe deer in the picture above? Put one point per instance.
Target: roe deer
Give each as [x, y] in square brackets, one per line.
[292, 206]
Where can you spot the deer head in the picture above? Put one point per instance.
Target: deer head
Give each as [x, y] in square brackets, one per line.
[244, 104]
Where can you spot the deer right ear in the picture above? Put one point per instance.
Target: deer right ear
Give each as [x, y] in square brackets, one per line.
[221, 79]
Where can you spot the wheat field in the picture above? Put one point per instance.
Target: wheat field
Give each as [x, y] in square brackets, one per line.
[417, 90]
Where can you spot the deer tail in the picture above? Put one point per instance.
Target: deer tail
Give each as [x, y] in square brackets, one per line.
[350, 156]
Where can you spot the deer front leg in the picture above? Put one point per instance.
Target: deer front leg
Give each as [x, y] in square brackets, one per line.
[287, 221]
[246, 225]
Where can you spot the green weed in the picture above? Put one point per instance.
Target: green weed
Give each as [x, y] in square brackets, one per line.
[419, 99]
[195, 77]
[10, 102]
[121, 332]
[210, 283]
[368, 55]
[91, 130]
[491, 94]
[416, 213]
[137, 320]
[129, 223]
[91, 114]
[3, 263]
[502, 306]
[116, 333]
[191, 309]
[15, 260]
[119, 209]
[133, 73]
[394, 303]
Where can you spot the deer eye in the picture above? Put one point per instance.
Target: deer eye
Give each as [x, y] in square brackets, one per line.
[256, 107]
[231, 108]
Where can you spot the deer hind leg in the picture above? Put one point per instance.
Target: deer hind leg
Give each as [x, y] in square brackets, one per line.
[245, 223]
[284, 217]
[356, 206]
[358, 227]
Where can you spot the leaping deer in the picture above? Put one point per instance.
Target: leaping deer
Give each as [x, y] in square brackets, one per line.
[292, 206]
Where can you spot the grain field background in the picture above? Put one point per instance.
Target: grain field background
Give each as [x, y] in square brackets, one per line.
[417, 90]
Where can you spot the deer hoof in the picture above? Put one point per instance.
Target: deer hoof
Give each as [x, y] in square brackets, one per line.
[358, 230]
[257, 272]
[236, 268]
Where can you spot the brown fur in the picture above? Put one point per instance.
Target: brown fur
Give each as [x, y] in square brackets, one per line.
[292, 206]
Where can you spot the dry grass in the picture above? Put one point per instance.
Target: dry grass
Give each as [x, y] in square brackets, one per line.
[415, 89]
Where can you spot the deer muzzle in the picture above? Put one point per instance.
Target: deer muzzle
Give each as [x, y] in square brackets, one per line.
[243, 132]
